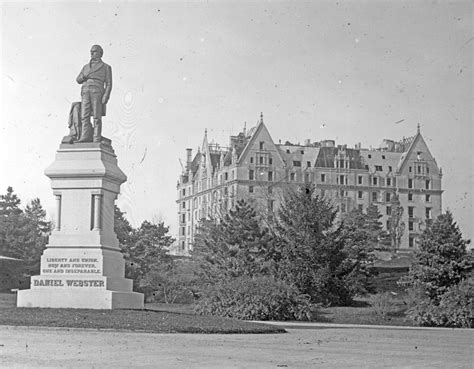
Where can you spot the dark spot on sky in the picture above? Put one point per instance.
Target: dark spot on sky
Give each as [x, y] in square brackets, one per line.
[349, 24]
[115, 14]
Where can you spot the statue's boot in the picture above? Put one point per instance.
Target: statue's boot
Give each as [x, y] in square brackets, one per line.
[97, 130]
[86, 132]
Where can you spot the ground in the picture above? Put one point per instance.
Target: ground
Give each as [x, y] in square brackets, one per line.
[308, 346]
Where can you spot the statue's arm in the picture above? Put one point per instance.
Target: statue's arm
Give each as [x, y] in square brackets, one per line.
[81, 78]
[108, 85]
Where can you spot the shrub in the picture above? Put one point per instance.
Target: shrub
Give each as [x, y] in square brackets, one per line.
[455, 308]
[258, 298]
[382, 304]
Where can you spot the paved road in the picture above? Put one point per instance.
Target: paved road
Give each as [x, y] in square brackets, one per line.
[302, 347]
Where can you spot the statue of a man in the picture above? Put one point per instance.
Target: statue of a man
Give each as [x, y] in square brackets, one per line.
[96, 80]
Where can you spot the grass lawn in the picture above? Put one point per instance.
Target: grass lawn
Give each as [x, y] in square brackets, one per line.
[151, 320]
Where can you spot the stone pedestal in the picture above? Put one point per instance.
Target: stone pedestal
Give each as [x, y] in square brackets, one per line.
[82, 266]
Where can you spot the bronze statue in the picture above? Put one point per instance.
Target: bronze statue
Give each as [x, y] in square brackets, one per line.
[96, 80]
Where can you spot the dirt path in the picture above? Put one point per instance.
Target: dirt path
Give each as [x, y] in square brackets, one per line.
[309, 347]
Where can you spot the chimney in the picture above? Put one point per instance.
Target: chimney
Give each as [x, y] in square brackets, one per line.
[189, 155]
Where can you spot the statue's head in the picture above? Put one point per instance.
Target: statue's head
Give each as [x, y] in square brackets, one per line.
[96, 52]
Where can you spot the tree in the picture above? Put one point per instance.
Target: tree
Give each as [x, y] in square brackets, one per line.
[233, 245]
[442, 260]
[396, 226]
[23, 235]
[374, 225]
[440, 267]
[146, 251]
[123, 229]
[317, 257]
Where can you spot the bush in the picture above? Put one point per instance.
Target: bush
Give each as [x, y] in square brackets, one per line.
[455, 308]
[258, 298]
[382, 304]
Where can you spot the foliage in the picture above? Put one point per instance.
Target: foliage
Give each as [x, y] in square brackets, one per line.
[23, 235]
[454, 309]
[319, 259]
[255, 298]
[437, 274]
[234, 245]
[382, 304]
[396, 226]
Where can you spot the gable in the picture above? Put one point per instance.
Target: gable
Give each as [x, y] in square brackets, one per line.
[261, 135]
[418, 150]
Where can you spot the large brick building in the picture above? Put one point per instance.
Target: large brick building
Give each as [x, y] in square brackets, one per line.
[255, 168]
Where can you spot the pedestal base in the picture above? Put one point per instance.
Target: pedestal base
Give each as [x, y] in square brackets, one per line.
[79, 299]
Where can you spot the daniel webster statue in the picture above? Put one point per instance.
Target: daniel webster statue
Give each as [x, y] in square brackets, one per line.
[96, 80]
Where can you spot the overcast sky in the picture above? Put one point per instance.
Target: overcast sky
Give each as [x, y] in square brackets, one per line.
[346, 71]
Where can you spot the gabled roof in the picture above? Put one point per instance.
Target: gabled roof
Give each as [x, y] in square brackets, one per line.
[327, 155]
[255, 133]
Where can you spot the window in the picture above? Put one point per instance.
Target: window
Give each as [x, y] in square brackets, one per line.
[251, 174]
[389, 168]
[378, 168]
[270, 161]
[361, 207]
[387, 224]
[270, 205]
[341, 179]
[418, 167]
[341, 163]
[292, 176]
[428, 213]
[427, 184]
[261, 145]
[369, 156]
[374, 196]
[270, 176]
[427, 198]
[410, 225]
[394, 182]
[226, 176]
[409, 169]
[184, 192]
[342, 193]
[306, 177]
[323, 177]
[287, 151]
[360, 179]
[388, 210]
[360, 194]
[308, 164]
[410, 196]
[183, 231]
[410, 183]
[383, 156]
[427, 170]
[375, 181]
[389, 182]
[387, 196]
[410, 211]
[183, 205]
[251, 160]
[261, 159]
[250, 189]
[183, 218]
[410, 241]
[343, 208]
[302, 152]
[296, 163]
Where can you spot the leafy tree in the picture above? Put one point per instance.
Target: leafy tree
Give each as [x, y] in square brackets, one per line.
[396, 226]
[123, 229]
[317, 258]
[233, 245]
[441, 265]
[23, 235]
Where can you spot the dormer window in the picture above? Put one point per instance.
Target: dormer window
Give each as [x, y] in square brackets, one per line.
[261, 145]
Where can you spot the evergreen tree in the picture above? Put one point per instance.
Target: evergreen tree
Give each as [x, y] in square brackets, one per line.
[234, 245]
[123, 229]
[396, 225]
[315, 257]
[9, 204]
[442, 260]
[374, 225]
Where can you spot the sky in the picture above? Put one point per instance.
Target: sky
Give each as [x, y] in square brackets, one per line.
[346, 70]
